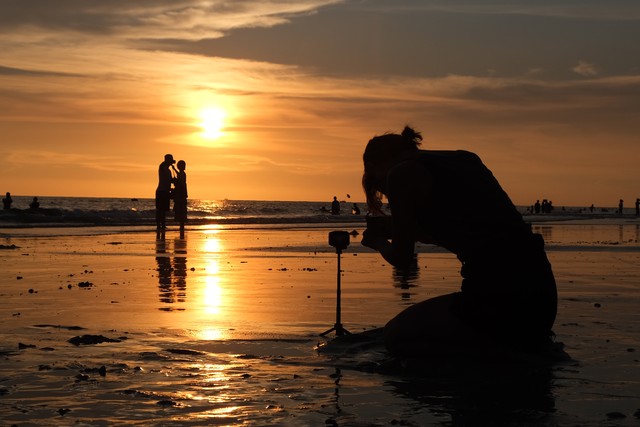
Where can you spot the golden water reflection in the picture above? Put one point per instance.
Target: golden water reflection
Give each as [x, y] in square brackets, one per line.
[213, 294]
[207, 306]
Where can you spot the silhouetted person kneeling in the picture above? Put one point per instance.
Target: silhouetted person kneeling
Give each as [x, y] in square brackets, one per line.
[35, 204]
[508, 297]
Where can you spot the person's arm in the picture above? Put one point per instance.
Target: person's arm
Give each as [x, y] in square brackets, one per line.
[408, 187]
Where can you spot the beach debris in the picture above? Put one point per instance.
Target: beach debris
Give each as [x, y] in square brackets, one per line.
[395, 422]
[32, 291]
[615, 415]
[166, 402]
[82, 377]
[91, 339]
[70, 328]
[102, 371]
[63, 411]
[137, 393]
[185, 352]
[9, 247]
[273, 406]
[22, 346]
[86, 285]
[19, 278]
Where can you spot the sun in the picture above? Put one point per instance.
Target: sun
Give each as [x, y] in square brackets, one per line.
[212, 122]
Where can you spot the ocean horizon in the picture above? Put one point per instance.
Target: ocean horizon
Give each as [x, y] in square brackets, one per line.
[140, 211]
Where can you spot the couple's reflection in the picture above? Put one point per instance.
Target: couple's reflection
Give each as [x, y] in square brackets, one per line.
[172, 272]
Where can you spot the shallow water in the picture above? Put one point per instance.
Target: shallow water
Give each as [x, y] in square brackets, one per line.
[220, 328]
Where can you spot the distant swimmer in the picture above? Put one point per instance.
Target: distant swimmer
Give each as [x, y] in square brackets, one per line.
[508, 296]
[6, 201]
[35, 204]
[355, 210]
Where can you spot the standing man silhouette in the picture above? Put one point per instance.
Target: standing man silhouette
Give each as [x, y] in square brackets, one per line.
[6, 202]
[335, 206]
[163, 192]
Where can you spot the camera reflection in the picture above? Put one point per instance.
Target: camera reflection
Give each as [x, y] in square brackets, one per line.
[406, 278]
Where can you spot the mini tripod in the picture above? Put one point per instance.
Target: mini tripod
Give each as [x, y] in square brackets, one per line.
[340, 241]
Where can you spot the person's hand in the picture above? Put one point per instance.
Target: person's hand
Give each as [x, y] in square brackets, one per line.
[373, 240]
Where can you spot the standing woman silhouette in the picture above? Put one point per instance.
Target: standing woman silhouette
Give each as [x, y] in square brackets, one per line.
[180, 195]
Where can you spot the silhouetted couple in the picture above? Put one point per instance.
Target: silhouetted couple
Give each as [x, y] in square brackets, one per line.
[172, 184]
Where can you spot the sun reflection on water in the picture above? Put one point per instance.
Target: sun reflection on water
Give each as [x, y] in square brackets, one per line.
[212, 293]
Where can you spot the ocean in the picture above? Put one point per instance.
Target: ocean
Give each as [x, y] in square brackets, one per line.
[564, 228]
[55, 211]
[126, 211]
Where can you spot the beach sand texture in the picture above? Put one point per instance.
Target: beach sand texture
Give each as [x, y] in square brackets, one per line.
[108, 327]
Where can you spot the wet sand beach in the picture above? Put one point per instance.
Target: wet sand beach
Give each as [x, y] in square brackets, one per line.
[114, 326]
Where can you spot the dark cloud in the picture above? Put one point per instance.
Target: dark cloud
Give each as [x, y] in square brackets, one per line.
[10, 71]
[349, 40]
[144, 18]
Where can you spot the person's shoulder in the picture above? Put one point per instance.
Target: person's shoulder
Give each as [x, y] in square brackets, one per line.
[408, 171]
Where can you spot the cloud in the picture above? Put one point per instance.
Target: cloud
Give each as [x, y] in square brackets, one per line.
[184, 19]
[583, 9]
[585, 69]
[11, 71]
[30, 159]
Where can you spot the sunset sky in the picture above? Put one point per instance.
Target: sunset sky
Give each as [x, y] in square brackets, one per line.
[275, 100]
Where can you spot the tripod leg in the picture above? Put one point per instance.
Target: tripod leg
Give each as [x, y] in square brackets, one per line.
[328, 331]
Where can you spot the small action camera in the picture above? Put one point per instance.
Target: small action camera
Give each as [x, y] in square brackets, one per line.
[339, 239]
